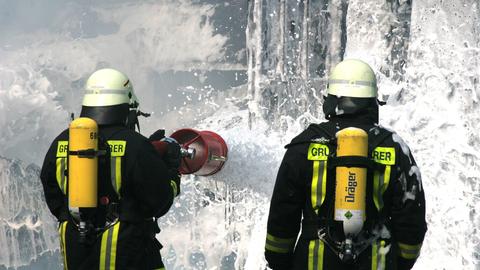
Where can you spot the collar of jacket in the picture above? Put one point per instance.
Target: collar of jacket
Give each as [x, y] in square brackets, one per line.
[355, 119]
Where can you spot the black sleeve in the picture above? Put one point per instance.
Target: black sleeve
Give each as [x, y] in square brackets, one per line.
[54, 197]
[154, 184]
[408, 210]
[285, 213]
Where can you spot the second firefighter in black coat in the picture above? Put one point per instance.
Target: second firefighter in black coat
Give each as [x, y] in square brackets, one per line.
[302, 233]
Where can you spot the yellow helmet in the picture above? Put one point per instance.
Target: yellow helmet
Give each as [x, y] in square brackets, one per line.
[352, 90]
[109, 98]
[352, 78]
[107, 87]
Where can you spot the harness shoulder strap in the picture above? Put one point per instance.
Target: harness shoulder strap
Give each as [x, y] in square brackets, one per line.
[320, 130]
[115, 150]
[375, 140]
[319, 153]
[381, 174]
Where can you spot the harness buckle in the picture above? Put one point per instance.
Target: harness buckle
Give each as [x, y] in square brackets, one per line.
[83, 232]
[349, 249]
[347, 254]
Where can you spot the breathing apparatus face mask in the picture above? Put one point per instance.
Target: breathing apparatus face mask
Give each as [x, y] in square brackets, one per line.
[350, 106]
[106, 115]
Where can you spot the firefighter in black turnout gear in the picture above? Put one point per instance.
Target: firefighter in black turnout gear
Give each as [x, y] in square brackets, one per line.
[309, 194]
[135, 185]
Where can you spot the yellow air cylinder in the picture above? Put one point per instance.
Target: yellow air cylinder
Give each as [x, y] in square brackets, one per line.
[351, 182]
[82, 167]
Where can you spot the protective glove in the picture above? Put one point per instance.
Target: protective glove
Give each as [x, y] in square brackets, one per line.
[173, 155]
[157, 135]
[168, 148]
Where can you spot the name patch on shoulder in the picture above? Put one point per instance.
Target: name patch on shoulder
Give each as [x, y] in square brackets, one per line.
[384, 155]
[318, 151]
[117, 148]
[62, 149]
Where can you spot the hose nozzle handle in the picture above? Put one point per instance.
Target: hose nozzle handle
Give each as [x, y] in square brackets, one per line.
[188, 152]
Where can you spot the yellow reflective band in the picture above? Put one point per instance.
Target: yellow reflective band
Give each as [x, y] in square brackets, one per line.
[103, 249]
[63, 247]
[315, 255]
[324, 182]
[378, 255]
[383, 255]
[318, 190]
[114, 246]
[386, 179]
[58, 166]
[311, 256]
[320, 255]
[317, 151]
[279, 245]
[408, 256]
[61, 166]
[118, 174]
[381, 181]
[117, 151]
[59, 173]
[117, 148]
[410, 247]
[409, 251]
[281, 240]
[316, 164]
[384, 155]
[174, 188]
[275, 249]
[62, 149]
[378, 200]
[108, 248]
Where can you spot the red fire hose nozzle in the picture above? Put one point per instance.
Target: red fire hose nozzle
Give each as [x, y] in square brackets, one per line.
[204, 152]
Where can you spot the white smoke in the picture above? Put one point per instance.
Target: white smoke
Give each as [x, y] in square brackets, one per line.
[44, 66]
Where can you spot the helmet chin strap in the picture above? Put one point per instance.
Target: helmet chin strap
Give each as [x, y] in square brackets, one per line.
[133, 114]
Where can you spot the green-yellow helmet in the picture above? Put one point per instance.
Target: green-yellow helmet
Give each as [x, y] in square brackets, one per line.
[107, 87]
[352, 78]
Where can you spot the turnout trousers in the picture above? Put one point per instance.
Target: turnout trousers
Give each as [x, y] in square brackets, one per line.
[316, 255]
[123, 246]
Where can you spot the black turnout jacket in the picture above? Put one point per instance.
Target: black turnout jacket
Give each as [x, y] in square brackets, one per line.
[134, 186]
[304, 196]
